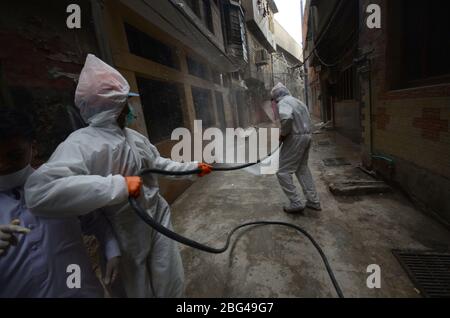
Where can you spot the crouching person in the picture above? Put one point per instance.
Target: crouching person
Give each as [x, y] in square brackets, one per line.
[41, 257]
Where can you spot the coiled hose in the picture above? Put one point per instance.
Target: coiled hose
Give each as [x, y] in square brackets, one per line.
[191, 243]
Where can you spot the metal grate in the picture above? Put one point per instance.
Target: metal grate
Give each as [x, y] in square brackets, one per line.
[429, 271]
[336, 162]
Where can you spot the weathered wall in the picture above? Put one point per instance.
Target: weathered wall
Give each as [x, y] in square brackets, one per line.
[262, 73]
[347, 119]
[259, 80]
[284, 73]
[411, 125]
[314, 93]
[217, 23]
[287, 42]
[133, 66]
[289, 54]
[40, 59]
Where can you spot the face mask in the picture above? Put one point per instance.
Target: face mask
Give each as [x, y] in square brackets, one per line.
[131, 117]
[16, 179]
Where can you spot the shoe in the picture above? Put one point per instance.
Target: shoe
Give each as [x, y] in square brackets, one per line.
[294, 208]
[314, 206]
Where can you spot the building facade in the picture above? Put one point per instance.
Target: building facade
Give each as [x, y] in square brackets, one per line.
[387, 88]
[287, 57]
[178, 55]
[258, 75]
[188, 59]
[40, 61]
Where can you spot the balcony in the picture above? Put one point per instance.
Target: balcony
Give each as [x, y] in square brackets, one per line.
[260, 21]
[235, 32]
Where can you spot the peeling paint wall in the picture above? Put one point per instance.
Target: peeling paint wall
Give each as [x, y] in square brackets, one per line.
[40, 61]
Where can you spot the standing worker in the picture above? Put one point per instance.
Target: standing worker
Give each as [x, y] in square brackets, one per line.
[296, 137]
[87, 172]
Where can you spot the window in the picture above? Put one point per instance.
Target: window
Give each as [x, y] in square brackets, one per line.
[427, 32]
[197, 69]
[203, 106]
[346, 85]
[162, 108]
[143, 45]
[207, 15]
[235, 29]
[203, 10]
[420, 43]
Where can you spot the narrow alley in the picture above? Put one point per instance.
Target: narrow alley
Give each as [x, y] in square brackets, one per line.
[354, 233]
[123, 119]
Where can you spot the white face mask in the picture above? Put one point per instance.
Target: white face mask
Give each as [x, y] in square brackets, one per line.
[16, 179]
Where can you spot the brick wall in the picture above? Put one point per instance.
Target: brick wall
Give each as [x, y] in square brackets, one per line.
[409, 125]
[40, 61]
[416, 130]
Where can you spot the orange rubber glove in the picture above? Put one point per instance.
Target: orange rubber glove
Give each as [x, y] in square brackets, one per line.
[134, 186]
[205, 168]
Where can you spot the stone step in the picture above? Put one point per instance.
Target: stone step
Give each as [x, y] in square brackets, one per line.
[354, 188]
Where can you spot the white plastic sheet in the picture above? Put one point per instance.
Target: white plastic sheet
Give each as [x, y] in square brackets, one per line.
[102, 91]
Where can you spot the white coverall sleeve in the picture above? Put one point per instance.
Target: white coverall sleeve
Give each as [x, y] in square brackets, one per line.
[167, 164]
[63, 187]
[173, 166]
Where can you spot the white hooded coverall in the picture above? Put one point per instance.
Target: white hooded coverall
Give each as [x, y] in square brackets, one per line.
[296, 127]
[86, 174]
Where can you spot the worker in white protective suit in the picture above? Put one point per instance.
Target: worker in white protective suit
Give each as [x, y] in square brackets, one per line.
[86, 173]
[294, 155]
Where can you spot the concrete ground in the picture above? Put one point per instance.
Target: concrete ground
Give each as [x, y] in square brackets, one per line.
[354, 232]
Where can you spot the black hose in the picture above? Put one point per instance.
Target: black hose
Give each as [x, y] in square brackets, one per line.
[191, 243]
[198, 171]
[193, 172]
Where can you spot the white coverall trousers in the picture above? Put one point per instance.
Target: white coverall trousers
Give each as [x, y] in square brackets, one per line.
[294, 158]
[151, 263]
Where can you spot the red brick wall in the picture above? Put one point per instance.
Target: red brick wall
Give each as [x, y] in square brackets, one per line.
[40, 61]
[412, 124]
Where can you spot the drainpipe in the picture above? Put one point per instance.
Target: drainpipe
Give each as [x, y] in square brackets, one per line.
[373, 156]
[304, 65]
[365, 66]
[370, 107]
[368, 70]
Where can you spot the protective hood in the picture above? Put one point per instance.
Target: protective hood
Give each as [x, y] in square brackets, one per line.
[102, 92]
[280, 91]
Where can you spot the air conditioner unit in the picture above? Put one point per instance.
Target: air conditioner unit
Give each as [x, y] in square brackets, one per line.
[262, 57]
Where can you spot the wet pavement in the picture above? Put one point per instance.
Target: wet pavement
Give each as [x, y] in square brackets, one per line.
[354, 233]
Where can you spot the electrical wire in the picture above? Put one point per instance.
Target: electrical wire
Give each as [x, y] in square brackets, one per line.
[322, 61]
[322, 35]
[340, 60]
